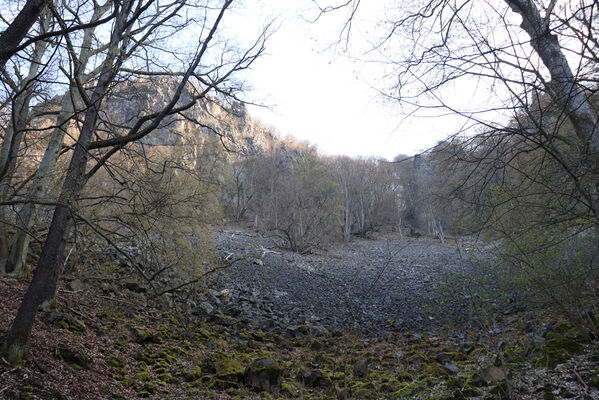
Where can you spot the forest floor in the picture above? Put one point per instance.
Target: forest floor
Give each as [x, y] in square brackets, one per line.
[281, 325]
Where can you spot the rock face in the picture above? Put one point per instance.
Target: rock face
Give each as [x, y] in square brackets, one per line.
[228, 121]
[264, 375]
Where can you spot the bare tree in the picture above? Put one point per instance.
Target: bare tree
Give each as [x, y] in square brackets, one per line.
[530, 67]
[136, 23]
[21, 91]
[70, 102]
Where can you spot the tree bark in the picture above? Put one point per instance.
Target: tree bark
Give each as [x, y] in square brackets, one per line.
[563, 89]
[16, 31]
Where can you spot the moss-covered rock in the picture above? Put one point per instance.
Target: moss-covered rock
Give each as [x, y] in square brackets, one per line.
[557, 350]
[264, 375]
[76, 358]
[228, 368]
[192, 374]
[143, 376]
[312, 377]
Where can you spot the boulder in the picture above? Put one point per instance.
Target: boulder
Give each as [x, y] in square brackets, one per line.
[492, 375]
[450, 368]
[264, 375]
[442, 357]
[361, 369]
[134, 286]
[76, 358]
[311, 377]
[206, 307]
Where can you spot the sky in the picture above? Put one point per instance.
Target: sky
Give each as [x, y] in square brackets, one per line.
[314, 90]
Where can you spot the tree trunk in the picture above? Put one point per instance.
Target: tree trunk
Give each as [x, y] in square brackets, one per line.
[16, 31]
[27, 215]
[563, 89]
[15, 130]
[42, 289]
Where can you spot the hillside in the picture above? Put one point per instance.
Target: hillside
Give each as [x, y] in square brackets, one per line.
[108, 337]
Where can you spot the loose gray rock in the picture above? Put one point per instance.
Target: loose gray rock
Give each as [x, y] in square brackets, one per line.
[206, 308]
[451, 369]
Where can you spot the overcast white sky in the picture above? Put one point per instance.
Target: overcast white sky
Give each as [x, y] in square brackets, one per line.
[316, 94]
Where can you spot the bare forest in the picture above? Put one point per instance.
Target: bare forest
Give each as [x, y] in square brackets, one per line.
[157, 240]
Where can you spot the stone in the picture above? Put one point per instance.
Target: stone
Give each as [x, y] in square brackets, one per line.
[264, 375]
[77, 359]
[134, 286]
[76, 285]
[311, 377]
[361, 368]
[450, 368]
[206, 307]
[492, 375]
[398, 354]
[442, 357]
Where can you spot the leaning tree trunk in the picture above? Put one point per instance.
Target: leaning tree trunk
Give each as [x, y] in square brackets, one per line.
[562, 89]
[27, 215]
[20, 243]
[16, 129]
[18, 28]
[42, 289]
[13, 136]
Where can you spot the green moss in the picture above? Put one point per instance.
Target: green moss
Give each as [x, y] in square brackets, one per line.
[116, 362]
[124, 380]
[141, 367]
[228, 368]
[75, 358]
[289, 389]
[548, 395]
[362, 389]
[501, 390]
[201, 334]
[404, 376]
[595, 380]
[557, 350]
[465, 392]
[193, 374]
[166, 377]
[515, 355]
[63, 324]
[121, 345]
[407, 390]
[222, 384]
[388, 387]
[143, 376]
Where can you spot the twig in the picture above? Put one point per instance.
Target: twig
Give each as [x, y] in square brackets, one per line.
[584, 385]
